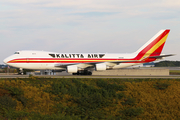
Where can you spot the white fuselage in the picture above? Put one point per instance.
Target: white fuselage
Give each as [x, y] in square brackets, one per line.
[28, 56]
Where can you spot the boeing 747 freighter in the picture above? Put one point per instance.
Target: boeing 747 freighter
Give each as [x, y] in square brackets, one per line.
[85, 63]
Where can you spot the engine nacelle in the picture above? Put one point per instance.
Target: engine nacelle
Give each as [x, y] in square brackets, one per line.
[72, 69]
[100, 67]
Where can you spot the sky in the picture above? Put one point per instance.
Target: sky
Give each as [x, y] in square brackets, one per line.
[87, 26]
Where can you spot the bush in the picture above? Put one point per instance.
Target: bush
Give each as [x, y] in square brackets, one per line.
[14, 91]
[120, 95]
[7, 102]
[132, 112]
[161, 86]
[60, 87]
[31, 76]
[110, 87]
[23, 100]
[59, 116]
[129, 101]
[16, 115]
[4, 92]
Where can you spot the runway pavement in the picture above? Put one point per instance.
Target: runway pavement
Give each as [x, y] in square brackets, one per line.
[67, 75]
[92, 76]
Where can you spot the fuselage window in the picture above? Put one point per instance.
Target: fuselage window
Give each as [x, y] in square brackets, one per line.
[16, 53]
[33, 53]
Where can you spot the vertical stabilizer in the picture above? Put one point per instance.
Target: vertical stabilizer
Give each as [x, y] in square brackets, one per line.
[154, 46]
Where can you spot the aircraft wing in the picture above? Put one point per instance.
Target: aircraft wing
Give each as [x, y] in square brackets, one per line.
[111, 63]
[126, 61]
[91, 64]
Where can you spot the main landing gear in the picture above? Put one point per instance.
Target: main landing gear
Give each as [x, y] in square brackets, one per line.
[83, 72]
[20, 71]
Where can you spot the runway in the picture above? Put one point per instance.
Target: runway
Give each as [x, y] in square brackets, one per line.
[67, 75]
[92, 76]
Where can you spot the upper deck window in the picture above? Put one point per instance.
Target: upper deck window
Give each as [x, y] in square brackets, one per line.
[16, 53]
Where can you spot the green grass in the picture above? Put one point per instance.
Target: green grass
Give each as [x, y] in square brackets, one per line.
[174, 72]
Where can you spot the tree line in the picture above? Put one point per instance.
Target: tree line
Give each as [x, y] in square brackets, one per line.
[168, 64]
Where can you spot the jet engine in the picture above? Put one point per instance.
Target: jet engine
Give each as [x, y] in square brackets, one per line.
[100, 67]
[72, 69]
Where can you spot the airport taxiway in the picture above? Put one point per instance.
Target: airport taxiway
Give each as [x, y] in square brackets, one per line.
[92, 76]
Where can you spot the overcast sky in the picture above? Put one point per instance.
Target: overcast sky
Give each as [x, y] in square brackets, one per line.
[86, 26]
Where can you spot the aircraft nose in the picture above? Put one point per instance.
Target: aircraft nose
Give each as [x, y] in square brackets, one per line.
[5, 60]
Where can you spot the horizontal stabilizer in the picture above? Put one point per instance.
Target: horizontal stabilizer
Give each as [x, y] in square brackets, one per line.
[161, 56]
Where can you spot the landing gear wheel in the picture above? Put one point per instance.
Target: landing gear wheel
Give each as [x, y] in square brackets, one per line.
[20, 71]
[82, 73]
[89, 73]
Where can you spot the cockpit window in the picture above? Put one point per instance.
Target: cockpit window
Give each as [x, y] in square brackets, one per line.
[16, 53]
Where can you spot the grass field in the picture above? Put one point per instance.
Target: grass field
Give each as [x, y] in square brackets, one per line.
[174, 72]
[88, 98]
